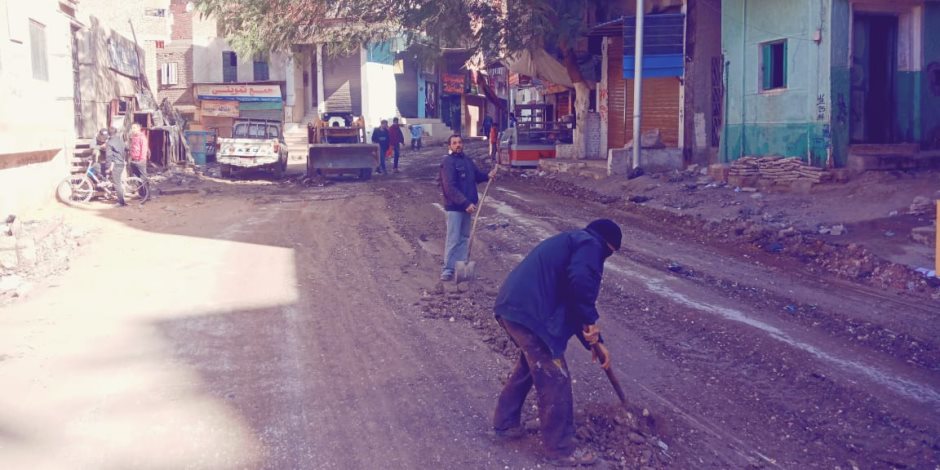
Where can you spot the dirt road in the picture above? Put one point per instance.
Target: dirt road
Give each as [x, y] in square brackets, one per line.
[273, 325]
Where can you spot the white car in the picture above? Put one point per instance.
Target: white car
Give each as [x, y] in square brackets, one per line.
[255, 143]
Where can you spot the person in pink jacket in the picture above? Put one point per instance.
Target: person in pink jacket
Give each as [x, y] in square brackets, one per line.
[138, 152]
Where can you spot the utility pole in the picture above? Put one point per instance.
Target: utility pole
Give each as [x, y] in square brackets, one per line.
[638, 84]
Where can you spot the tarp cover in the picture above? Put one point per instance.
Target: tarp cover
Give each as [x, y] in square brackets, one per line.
[541, 65]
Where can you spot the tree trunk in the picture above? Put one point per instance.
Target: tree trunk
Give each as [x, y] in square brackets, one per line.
[581, 104]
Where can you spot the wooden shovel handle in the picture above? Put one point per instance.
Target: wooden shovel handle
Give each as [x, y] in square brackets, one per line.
[614, 382]
[476, 216]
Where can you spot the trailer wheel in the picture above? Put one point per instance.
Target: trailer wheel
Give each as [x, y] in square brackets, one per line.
[365, 174]
[279, 170]
[225, 171]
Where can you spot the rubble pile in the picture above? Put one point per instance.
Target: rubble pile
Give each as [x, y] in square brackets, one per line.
[624, 439]
[775, 170]
[32, 249]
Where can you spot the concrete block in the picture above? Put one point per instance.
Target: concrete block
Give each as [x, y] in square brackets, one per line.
[656, 160]
[764, 184]
[742, 181]
[566, 152]
[719, 172]
[618, 161]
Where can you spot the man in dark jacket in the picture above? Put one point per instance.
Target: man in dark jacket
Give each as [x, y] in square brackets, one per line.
[115, 151]
[548, 298]
[396, 138]
[459, 179]
[380, 135]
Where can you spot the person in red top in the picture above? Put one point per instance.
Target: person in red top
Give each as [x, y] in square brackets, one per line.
[395, 139]
[138, 152]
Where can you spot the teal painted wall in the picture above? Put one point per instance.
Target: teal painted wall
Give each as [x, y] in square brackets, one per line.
[381, 52]
[907, 125]
[840, 22]
[790, 122]
[930, 103]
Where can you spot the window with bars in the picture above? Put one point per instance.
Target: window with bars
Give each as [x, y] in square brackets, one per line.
[773, 65]
[229, 66]
[169, 74]
[37, 49]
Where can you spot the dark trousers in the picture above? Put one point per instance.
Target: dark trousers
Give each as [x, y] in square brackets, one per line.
[552, 388]
[139, 169]
[415, 143]
[383, 149]
[395, 151]
[117, 177]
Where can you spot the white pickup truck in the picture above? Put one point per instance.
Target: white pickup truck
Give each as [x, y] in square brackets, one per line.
[255, 143]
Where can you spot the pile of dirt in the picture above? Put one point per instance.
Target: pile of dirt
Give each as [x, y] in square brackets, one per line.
[625, 439]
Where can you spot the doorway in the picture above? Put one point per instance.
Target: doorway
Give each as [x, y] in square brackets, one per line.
[450, 112]
[874, 66]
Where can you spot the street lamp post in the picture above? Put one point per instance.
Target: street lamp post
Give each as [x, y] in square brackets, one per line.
[638, 83]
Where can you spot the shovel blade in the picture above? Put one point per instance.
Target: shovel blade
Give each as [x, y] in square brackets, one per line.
[464, 271]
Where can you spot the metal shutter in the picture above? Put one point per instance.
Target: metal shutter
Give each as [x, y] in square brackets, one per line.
[342, 84]
[660, 102]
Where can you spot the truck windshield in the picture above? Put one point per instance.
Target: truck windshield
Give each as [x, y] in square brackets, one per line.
[255, 130]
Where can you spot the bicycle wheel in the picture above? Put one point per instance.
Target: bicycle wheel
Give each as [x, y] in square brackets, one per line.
[75, 188]
[136, 188]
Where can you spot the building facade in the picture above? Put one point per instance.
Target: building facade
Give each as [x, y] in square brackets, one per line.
[37, 117]
[825, 80]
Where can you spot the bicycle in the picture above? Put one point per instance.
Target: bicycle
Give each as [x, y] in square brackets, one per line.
[81, 187]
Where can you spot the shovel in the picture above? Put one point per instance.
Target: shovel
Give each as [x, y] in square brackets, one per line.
[465, 270]
[614, 382]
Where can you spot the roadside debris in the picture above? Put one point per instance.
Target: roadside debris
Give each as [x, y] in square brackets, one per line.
[33, 249]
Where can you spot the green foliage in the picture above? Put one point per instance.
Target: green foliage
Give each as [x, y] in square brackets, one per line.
[428, 25]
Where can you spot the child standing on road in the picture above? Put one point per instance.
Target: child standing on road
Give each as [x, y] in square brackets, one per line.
[415, 136]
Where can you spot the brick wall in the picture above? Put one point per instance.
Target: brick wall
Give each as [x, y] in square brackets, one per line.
[178, 50]
[182, 21]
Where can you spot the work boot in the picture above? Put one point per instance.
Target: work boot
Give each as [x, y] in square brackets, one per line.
[510, 434]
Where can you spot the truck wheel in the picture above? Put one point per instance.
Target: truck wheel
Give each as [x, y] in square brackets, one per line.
[278, 170]
[365, 174]
[225, 171]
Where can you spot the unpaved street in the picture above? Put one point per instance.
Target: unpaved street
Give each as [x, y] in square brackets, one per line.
[276, 325]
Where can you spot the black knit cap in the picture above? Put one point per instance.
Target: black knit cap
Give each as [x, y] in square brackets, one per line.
[608, 230]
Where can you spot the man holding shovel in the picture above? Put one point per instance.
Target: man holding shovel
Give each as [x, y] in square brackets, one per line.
[548, 298]
[459, 179]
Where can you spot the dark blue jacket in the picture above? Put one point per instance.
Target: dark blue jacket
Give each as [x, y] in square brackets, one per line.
[553, 290]
[115, 150]
[381, 136]
[459, 178]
